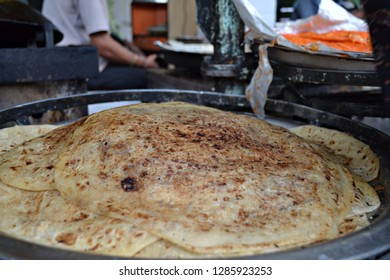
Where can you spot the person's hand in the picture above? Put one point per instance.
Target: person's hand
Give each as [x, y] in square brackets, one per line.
[150, 61]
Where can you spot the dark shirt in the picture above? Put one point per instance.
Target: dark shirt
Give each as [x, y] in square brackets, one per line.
[306, 8]
[378, 18]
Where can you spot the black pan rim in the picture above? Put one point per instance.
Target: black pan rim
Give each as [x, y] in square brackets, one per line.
[367, 243]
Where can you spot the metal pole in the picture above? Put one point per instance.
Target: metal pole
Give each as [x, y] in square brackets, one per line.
[222, 25]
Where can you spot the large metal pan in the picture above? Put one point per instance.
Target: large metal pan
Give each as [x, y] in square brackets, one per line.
[320, 60]
[371, 242]
[303, 67]
[185, 56]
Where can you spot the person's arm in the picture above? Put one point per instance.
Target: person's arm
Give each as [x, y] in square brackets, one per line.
[114, 52]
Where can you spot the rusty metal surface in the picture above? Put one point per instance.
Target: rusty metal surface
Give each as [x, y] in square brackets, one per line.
[302, 71]
[371, 242]
[320, 61]
[301, 67]
[297, 74]
[223, 27]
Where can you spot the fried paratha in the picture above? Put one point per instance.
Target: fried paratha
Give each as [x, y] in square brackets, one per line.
[207, 180]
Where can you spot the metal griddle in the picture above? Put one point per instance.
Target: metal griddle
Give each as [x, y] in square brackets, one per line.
[368, 243]
[319, 68]
[307, 76]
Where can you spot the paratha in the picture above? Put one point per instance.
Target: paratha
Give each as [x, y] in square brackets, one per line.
[167, 250]
[47, 218]
[30, 165]
[11, 137]
[357, 155]
[364, 204]
[201, 181]
[204, 179]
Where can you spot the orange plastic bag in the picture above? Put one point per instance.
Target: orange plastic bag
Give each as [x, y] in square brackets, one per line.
[352, 41]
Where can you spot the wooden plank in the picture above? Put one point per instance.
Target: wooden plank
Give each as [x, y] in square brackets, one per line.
[181, 18]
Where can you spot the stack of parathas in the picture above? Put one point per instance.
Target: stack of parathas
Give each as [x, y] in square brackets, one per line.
[175, 180]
